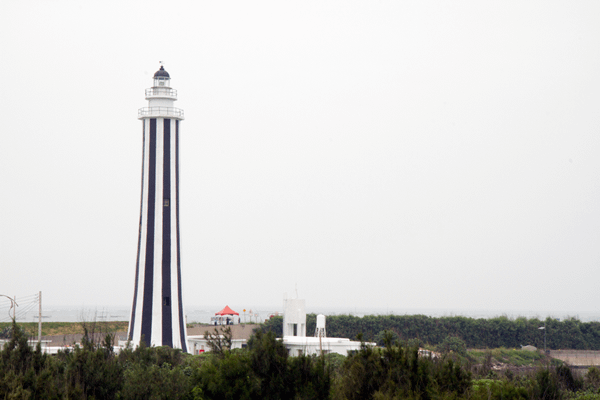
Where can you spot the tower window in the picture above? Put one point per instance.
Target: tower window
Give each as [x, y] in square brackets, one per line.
[166, 301]
[166, 202]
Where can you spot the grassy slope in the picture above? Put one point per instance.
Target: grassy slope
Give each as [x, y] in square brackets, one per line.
[66, 328]
[514, 357]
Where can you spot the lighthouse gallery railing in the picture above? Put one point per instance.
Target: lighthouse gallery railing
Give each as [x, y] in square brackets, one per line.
[160, 112]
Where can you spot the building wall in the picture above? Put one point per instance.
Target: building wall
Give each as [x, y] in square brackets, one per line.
[294, 317]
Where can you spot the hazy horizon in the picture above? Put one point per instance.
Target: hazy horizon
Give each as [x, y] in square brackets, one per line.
[202, 313]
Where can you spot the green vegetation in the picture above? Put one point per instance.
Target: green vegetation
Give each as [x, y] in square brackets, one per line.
[65, 328]
[476, 333]
[518, 358]
[264, 370]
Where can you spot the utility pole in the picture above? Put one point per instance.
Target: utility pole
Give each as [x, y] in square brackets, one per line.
[40, 318]
[544, 328]
[545, 351]
[13, 304]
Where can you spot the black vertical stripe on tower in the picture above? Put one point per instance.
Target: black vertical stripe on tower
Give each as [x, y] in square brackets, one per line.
[137, 262]
[167, 324]
[179, 295]
[149, 267]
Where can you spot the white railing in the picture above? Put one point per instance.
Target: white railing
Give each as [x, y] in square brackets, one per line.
[161, 92]
[160, 112]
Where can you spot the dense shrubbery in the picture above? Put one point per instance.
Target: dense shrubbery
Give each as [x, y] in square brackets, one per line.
[476, 333]
[94, 371]
[398, 372]
[265, 371]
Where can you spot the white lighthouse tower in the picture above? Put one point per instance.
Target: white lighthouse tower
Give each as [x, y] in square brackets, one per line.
[157, 312]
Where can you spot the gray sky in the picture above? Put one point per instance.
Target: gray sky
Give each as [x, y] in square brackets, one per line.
[393, 154]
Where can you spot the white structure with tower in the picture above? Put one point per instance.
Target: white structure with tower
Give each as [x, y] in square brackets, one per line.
[157, 315]
[294, 317]
[294, 333]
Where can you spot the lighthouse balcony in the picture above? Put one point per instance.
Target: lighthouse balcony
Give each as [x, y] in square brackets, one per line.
[161, 93]
[160, 112]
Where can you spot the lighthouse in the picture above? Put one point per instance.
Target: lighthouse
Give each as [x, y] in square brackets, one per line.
[157, 312]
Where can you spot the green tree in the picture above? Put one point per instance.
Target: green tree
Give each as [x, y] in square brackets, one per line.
[453, 344]
[152, 373]
[592, 379]
[311, 377]
[25, 372]
[382, 336]
[547, 387]
[229, 376]
[92, 370]
[219, 341]
[268, 359]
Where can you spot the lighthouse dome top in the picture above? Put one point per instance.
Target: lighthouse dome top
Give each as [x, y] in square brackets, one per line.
[161, 73]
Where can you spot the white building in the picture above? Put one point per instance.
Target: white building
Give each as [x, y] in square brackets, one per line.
[294, 317]
[197, 344]
[296, 341]
[313, 345]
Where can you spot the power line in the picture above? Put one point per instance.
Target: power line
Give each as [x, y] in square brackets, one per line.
[27, 303]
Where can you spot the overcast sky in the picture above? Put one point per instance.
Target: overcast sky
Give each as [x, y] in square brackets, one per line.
[384, 154]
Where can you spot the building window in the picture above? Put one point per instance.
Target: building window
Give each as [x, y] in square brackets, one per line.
[166, 202]
[166, 301]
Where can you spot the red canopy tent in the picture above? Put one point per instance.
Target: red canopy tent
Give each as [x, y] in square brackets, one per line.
[227, 311]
